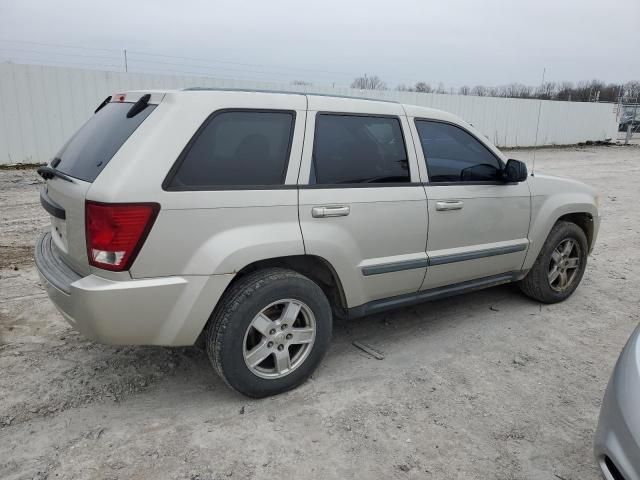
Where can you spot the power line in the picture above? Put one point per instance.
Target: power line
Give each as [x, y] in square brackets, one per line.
[58, 45]
[210, 60]
[63, 63]
[38, 52]
[209, 63]
[211, 67]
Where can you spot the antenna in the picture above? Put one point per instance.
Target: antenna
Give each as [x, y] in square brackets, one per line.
[535, 143]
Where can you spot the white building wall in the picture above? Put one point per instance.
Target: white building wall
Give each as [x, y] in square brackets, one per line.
[42, 106]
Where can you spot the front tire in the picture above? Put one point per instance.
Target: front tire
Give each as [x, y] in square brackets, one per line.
[269, 332]
[560, 265]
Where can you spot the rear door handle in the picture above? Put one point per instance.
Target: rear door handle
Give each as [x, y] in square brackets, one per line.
[333, 211]
[449, 205]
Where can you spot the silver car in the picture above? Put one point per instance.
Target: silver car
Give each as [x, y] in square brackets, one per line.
[617, 440]
[249, 220]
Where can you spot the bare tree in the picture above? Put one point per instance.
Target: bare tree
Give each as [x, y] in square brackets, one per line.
[546, 91]
[516, 90]
[403, 88]
[423, 87]
[631, 91]
[565, 89]
[584, 91]
[480, 91]
[369, 83]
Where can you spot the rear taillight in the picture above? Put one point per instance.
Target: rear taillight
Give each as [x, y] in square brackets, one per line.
[116, 232]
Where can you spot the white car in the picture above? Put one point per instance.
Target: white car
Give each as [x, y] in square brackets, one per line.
[251, 219]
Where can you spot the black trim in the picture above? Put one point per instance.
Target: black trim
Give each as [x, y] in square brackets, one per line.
[613, 470]
[406, 300]
[166, 184]
[394, 267]
[221, 188]
[472, 182]
[51, 206]
[461, 257]
[101, 106]
[360, 185]
[424, 155]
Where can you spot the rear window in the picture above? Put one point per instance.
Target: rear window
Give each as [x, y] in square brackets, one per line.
[90, 149]
[241, 148]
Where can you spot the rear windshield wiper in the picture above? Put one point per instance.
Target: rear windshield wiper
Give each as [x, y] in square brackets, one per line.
[48, 173]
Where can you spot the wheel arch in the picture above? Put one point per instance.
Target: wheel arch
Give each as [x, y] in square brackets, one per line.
[314, 267]
[580, 214]
[584, 220]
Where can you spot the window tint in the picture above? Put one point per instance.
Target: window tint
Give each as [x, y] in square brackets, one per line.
[454, 155]
[90, 149]
[238, 148]
[358, 149]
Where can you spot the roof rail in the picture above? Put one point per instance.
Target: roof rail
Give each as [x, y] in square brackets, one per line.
[284, 92]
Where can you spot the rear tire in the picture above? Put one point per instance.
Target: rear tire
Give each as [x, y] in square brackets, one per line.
[560, 265]
[259, 358]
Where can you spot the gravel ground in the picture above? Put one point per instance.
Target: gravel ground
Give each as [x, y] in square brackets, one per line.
[488, 385]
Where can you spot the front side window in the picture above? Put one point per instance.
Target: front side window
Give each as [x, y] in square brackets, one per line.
[237, 148]
[358, 149]
[454, 155]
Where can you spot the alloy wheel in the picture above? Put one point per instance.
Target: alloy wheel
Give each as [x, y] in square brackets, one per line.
[564, 265]
[279, 338]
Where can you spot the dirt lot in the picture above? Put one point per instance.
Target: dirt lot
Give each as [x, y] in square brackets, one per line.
[489, 385]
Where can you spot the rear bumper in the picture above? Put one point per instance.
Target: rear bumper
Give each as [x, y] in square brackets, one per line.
[153, 311]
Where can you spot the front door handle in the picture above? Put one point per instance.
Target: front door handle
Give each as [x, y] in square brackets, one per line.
[447, 205]
[332, 211]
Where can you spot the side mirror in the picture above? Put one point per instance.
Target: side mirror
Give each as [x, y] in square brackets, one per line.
[515, 171]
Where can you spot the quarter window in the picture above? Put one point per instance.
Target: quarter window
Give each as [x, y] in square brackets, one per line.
[358, 149]
[454, 155]
[237, 148]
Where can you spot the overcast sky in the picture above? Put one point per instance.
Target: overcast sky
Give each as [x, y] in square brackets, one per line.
[457, 42]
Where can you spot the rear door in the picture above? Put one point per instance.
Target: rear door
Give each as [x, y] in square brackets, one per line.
[80, 161]
[362, 207]
[478, 224]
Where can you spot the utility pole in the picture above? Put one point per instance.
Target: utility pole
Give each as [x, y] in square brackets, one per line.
[535, 143]
[126, 67]
[630, 127]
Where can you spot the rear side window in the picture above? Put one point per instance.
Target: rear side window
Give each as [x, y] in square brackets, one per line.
[358, 149]
[236, 148]
[92, 147]
[454, 155]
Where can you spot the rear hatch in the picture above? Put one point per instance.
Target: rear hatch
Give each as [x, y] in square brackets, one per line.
[79, 162]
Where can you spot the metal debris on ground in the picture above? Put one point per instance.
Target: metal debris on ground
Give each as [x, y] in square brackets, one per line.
[367, 349]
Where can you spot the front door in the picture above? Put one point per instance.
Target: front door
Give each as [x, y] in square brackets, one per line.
[478, 225]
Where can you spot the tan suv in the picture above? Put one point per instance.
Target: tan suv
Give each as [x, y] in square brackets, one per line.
[252, 219]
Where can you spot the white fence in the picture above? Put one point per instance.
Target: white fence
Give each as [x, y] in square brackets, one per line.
[42, 106]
